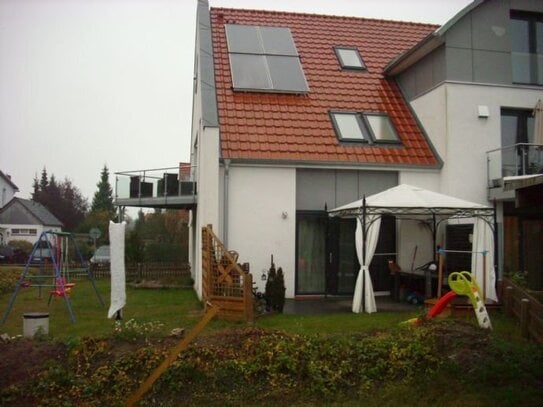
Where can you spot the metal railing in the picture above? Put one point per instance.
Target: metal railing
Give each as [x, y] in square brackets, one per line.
[514, 160]
[156, 183]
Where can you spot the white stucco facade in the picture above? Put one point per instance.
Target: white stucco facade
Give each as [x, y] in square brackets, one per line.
[449, 114]
[261, 212]
[7, 192]
[26, 232]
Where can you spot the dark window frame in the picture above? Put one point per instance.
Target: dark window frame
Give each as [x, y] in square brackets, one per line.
[372, 132]
[365, 128]
[361, 125]
[342, 63]
[531, 18]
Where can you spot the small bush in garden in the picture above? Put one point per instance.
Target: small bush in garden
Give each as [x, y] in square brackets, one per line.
[8, 278]
[275, 289]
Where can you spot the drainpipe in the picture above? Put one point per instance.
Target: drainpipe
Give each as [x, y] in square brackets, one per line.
[225, 202]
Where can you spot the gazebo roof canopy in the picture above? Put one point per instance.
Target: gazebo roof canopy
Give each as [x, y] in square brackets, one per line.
[410, 200]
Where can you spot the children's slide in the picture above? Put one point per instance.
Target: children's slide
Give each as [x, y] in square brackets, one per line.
[440, 305]
[463, 283]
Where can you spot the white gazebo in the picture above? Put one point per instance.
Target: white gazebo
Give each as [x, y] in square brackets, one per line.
[410, 202]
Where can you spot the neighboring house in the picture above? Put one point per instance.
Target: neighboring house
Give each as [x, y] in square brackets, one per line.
[293, 115]
[7, 189]
[22, 219]
[474, 84]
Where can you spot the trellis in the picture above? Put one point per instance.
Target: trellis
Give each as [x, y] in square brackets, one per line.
[225, 283]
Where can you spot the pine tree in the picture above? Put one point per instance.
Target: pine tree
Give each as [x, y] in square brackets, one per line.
[44, 182]
[35, 189]
[103, 197]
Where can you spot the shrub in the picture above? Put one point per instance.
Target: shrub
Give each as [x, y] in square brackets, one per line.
[24, 247]
[275, 289]
[8, 278]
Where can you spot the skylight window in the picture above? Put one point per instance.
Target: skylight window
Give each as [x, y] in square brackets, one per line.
[382, 130]
[349, 58]
[349, 126]
[264, 59]
[364, 127]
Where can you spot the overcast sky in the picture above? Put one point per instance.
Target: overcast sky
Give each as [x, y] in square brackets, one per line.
[85, 83]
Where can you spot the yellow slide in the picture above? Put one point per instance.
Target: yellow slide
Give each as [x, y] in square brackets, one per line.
[463, 283]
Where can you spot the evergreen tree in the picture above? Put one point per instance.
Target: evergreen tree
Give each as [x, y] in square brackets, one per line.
[103, 197]
[35, 189]
[44, 182]
[64, 200]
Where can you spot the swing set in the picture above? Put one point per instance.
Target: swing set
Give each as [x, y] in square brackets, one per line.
[51, 256]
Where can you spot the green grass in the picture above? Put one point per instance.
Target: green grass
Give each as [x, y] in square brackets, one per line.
[179, 307]
[172, 307]
[344, 323]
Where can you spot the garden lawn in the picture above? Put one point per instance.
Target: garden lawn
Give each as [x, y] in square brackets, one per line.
[172, 307]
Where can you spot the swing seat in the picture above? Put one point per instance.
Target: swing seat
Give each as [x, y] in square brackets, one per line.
[62, 289]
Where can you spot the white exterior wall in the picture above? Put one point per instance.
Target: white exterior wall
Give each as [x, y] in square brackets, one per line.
[207, 210]
[257, 228]
[449, 114]
[8, 236]
[411, 234]
[6, 192]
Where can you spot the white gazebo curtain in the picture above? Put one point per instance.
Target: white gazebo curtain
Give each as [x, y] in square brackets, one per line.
[364, 299]
[483, 247]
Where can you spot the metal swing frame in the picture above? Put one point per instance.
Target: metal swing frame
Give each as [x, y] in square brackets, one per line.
[59, 283]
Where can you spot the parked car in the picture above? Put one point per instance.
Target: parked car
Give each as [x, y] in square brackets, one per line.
[101, 255]
[44, 252]
[7, 254]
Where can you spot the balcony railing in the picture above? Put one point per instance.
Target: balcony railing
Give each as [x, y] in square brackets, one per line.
[159, 187]
[514, 160]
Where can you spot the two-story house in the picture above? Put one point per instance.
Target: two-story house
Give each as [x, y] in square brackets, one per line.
[293, 115]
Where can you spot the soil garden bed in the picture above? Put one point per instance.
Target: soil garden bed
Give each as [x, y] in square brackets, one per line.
[428, 365]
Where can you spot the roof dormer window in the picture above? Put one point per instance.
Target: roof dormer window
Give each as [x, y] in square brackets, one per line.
[349, 58]
[375, 128]
[264, 59]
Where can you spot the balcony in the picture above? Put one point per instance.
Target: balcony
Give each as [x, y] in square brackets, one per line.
[165, 188]
[518, 160]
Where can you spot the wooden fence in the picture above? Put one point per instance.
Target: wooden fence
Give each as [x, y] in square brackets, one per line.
[225, 283]
[146, 271]
[525, 308]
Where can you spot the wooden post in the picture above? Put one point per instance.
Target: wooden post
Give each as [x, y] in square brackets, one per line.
[484, 277]
[509, 300]
[248, 296]
[170, 359]
[440, 275]
[525, 318]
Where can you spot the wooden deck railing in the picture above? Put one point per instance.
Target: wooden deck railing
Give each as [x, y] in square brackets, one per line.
[225, 283]
[525, 308]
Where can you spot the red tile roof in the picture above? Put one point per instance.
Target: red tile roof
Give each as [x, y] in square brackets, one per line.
[268, 126]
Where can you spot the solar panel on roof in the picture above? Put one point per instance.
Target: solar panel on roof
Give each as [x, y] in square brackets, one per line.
[249, 72]
[286, 73]
[244, 39]
[278, 41]
[264, 59]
